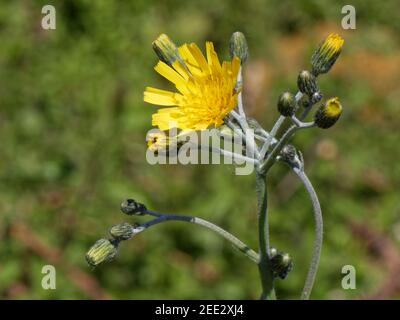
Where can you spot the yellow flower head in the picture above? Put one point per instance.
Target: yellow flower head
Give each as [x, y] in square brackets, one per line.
[206, 90]
[326, 54]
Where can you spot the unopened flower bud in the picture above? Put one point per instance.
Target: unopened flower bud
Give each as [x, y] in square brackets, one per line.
[287, 104]
[327, 115]
[288, 153]
[281, 264]
[122, 231]
[324, 57]
[238, 46]
[131, 207]
[166, 50]
[307, 83]
[102, 251]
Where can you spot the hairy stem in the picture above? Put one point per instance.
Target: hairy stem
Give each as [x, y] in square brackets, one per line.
[316, 253]
[264, 265]
[162, 217]
[278, 147]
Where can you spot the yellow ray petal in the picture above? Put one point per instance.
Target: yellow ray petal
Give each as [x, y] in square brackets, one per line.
[170, 74]
[199, 57]
[190, 61]
[212, 58]
[162, 97]
[235, 66]
[181, 70]
[166, 118]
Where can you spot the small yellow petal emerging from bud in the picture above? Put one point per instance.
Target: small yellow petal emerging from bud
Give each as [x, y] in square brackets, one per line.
[166, 50]
[102, 251]
[326, 54]
[327, 115]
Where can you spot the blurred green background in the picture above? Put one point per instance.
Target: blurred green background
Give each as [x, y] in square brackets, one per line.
[72, 132]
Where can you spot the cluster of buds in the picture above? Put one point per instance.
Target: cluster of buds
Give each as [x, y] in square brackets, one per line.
[105, 250]
[309, 94]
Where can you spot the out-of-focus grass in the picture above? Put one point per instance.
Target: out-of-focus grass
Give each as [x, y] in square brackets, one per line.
[73, 125]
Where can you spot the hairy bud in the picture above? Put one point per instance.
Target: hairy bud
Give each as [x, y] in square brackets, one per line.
[238, 46]
[131, 207]
[102, 251]
[327, 115]
[287, 104]
[325, 56]
[122, 231]
[281, 264]
[307, 83]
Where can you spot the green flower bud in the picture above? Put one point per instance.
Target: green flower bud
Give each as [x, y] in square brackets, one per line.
[281, 264]
[325, 56]
[327, 115]
[102, 251]
[131, 207]
[166, 50]
[238, 46]
[122, 231]
[307, 83]
[288, 153]
[287, 104]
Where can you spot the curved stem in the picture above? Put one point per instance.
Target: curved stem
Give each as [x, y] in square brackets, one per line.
[162, 217]
[264, 265]
[312, 271]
